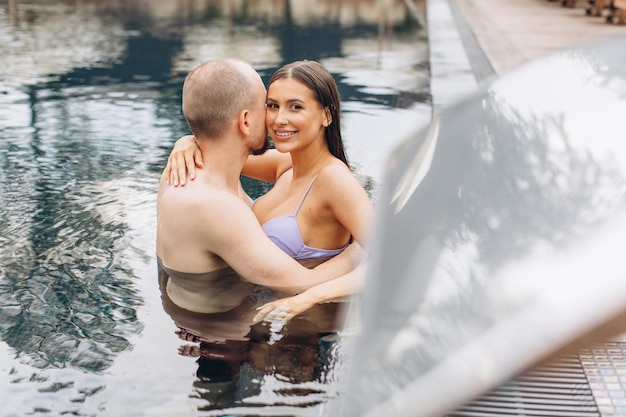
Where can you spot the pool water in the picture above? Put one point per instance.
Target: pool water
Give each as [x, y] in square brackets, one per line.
[89, 110]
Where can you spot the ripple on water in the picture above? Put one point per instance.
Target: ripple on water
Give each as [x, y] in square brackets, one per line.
[87, 118]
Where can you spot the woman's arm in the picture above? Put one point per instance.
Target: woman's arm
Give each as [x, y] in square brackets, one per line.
[186, 156]
[349, 202]
[267, 167]
[183, 159]
[289, 307]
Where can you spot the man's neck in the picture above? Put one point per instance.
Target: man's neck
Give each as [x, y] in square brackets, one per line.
[222, 163]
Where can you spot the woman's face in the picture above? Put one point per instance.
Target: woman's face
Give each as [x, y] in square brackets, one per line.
[294, 118]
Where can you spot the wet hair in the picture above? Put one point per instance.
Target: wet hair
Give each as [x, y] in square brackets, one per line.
[215, 92]
[317, 79]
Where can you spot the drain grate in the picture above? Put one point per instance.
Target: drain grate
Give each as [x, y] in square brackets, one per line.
[591, 383]
[605, 367]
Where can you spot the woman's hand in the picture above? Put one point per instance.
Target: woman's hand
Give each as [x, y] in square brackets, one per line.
[284, 309]
[184, 158]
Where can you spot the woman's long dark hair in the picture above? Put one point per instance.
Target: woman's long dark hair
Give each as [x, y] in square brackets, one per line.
[317, 79]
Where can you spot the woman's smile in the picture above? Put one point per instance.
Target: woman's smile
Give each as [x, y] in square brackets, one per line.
[284, 134]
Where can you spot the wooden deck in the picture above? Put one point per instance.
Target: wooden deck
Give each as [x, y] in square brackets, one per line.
[511, 32]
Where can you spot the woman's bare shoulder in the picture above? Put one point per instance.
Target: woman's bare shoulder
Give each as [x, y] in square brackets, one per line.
[335, 170]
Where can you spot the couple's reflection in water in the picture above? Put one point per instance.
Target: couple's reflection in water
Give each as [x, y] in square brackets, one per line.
[235, 357]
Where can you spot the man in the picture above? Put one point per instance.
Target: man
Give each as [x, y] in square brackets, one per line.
[206, 231]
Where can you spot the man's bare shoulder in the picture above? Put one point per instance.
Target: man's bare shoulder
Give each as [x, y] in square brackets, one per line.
[197, 222]
[195, 193]
[203, 208]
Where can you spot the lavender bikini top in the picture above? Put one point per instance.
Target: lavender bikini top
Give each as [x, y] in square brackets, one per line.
[285, 233]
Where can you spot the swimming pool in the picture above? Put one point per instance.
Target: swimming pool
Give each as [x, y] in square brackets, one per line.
[89, 110]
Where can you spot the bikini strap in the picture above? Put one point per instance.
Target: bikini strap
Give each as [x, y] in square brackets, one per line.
[304, 196]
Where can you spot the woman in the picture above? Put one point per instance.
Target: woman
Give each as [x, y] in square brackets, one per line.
[316, 207]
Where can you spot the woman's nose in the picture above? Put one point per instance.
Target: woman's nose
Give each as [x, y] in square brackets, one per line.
[281, 118]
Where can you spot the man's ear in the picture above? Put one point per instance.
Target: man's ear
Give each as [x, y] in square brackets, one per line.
[329, 117]
[243, 122]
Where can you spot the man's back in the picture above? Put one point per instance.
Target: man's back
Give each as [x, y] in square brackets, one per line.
[199, 280]
[181, 242]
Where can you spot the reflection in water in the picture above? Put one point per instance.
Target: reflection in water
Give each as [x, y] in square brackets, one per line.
[240, 364]
[89, 109]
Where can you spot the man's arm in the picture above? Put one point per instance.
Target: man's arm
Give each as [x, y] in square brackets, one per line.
[233, 233]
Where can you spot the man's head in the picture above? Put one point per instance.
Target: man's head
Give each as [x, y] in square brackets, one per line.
[222, 94]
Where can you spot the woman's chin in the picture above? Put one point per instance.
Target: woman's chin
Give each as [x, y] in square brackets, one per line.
[282, 147]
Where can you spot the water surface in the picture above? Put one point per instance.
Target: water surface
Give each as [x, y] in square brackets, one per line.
[89, 110]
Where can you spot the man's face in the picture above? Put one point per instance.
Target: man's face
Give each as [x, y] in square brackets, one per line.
[260, 141]
[263, 148]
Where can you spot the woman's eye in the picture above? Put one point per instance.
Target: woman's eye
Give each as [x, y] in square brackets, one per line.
[296, 107]
[271, 105]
